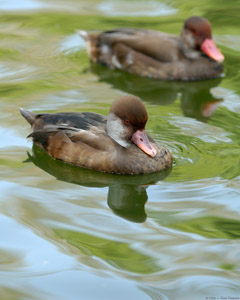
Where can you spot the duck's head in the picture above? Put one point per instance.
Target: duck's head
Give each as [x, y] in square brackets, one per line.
[197, 35]
[126, 124]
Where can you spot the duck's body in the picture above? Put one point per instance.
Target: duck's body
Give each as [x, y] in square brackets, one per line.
[191, 56]
[116, 144]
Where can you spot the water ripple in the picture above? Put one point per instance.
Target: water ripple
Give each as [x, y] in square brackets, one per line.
[9, 138]
[136, 8]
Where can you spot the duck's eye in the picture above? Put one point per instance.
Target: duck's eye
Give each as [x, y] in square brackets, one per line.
[127, 122]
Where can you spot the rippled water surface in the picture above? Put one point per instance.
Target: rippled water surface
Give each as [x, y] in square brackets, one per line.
[68, 233]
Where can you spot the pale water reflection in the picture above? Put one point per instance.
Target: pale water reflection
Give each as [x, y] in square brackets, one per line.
[17, 5]
[72, 44]
[9, 139]
[136, 8]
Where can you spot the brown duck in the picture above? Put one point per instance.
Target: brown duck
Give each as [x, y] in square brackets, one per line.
[116, 144]
[191, 56]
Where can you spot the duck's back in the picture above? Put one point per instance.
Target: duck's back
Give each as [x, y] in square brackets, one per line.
[161, 46]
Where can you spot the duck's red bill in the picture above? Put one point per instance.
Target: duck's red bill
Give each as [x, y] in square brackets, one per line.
[211, 50]
[141, 140]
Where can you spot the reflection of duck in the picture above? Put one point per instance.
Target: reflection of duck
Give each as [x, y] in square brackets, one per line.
[195, 96]
[117, 143]
[192, 56]
[127, 194]
[128, 201]
[197, 100]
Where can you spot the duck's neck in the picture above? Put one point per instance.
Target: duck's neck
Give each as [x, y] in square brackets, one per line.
[115, 130]
[187, 44]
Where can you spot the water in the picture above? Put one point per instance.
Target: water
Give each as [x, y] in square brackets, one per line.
[68, 233]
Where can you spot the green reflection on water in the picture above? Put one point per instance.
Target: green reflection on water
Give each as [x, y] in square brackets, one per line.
[211, 227]
[120, 255]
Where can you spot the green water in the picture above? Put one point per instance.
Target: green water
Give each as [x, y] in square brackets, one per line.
[68, 233]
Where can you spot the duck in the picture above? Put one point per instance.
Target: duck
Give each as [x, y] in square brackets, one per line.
[116, 143]
[191, 56]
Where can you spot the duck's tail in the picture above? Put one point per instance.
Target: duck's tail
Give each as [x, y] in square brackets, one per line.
[28, 115]
[91, 39]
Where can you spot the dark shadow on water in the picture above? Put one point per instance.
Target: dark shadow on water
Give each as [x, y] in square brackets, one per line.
[195, 96]
[127, 194]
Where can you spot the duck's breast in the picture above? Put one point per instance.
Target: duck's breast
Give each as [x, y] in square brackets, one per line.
[132, 160]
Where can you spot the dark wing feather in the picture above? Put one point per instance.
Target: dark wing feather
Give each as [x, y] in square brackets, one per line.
[75, 127]
[76, 120]
[41, 136]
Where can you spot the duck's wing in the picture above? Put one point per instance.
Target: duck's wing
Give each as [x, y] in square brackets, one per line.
[156, 45]
[142, 52]
[83, 127]
[93, 137]
[77, 120]
[90, 148]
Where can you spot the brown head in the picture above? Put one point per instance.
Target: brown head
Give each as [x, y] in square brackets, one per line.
[197, 32]
[131, 111]
[126, 123]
